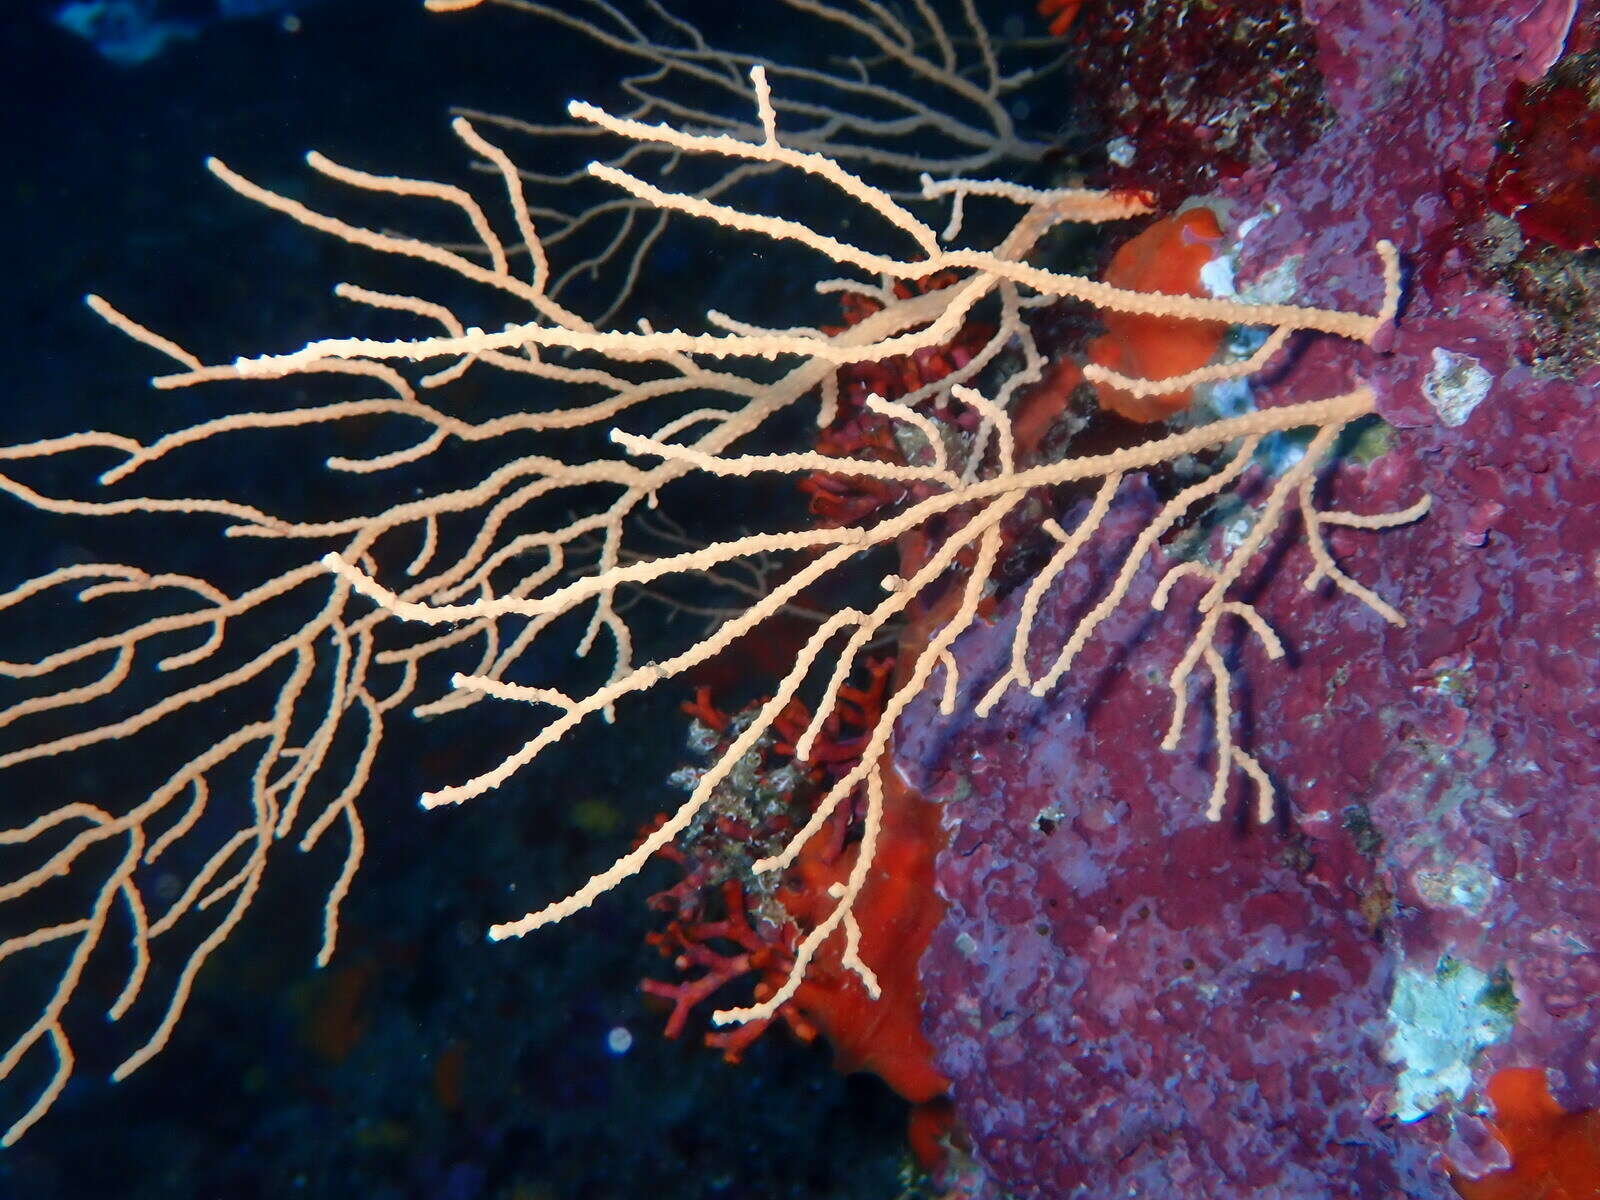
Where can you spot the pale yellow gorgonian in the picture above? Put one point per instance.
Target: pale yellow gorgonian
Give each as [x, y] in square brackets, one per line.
[298, 674]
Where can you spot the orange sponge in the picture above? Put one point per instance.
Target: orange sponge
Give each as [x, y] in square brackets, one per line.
[1555, 1155]
[1167, 257]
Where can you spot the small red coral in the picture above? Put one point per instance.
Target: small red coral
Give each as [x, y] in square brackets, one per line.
[1060, 12]
[723, 927]
[840, 499]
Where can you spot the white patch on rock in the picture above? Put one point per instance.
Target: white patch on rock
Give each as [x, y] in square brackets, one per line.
[1276, 285]
[1456, 385]
[1442, 1020]
[1217, 276]
[1466, 885]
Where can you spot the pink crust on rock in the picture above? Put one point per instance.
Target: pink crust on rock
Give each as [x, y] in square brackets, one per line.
[1204, 1005]
[1126, 997]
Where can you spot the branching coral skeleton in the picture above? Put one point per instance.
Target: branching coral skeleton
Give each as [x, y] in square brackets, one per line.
[490, 574]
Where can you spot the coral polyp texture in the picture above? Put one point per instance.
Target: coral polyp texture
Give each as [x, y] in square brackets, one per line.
[1180, 691]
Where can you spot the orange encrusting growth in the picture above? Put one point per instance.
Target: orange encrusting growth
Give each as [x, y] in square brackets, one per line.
[1168, 258]
[897, 907]
[897, 911]
[1040, 407]
[1555, 1154]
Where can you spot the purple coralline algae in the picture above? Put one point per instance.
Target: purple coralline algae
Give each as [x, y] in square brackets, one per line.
[1132, 1000]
